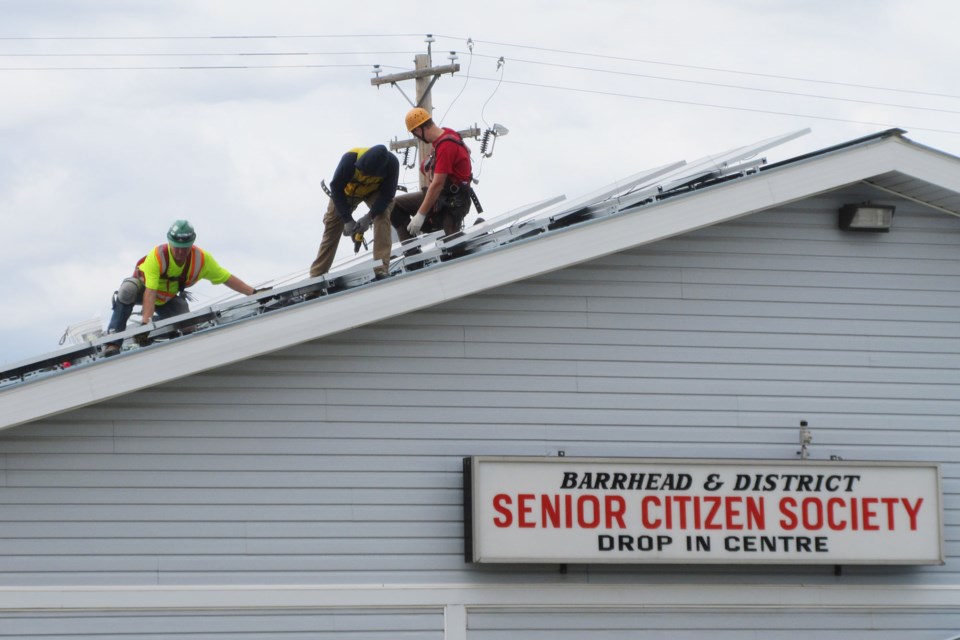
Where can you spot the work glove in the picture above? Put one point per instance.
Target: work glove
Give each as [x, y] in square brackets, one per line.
[348, 228]
[363, 224]
[415, 224]
[260, 290]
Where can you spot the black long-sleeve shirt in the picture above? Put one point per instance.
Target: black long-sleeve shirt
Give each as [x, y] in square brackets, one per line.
[343, 175]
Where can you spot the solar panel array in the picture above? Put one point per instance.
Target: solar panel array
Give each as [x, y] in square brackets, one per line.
[424, 252]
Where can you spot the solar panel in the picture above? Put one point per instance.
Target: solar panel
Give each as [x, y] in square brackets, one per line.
[620, 186]
[430, 250]
[490, 224]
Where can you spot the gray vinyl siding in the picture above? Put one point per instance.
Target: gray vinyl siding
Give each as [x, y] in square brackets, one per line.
[339, 461]
[382, 624]
[613, 624]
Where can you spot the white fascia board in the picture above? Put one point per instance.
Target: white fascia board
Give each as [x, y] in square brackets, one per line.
[472, 274]
[928, 165]
[576, 595]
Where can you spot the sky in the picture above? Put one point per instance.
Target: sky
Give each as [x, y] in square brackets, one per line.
[120, 116]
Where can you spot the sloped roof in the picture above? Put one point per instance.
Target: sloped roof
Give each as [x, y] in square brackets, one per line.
[541, 238]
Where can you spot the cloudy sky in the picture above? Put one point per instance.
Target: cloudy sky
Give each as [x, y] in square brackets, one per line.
[120, 116]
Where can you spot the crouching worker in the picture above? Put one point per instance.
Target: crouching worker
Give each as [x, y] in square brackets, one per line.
[447, 199]
[160, 280]
[366, 175]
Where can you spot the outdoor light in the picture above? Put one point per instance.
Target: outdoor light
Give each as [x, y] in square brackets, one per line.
[866, 217]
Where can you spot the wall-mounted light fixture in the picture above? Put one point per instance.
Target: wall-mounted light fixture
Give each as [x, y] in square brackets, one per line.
[866, 217]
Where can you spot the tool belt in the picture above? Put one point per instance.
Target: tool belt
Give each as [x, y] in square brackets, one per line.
[453, 196]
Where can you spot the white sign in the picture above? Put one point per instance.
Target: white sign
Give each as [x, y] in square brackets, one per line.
[615, 510]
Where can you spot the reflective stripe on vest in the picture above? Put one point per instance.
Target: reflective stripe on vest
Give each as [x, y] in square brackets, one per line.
[187, 278]
[362, 185]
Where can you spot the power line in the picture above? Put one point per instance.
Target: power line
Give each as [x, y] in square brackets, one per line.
[715, 69]
[503, 44]
[714, 106]
[346, 53]
[203, 55]
[254, 37]
[197, 67]
[530, 84]
[728, 86]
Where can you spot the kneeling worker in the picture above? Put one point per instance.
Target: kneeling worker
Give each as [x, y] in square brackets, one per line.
[366, 175]
[446, 202]
[160, 280]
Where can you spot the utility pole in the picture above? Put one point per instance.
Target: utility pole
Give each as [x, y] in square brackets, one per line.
[426, 76]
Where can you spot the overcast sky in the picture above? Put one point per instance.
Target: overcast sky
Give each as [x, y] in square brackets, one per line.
[120, 116]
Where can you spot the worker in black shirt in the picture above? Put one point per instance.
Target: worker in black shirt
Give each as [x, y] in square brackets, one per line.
[366, 175]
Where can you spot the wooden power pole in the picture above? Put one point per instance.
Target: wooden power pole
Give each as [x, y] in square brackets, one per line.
[426, 76]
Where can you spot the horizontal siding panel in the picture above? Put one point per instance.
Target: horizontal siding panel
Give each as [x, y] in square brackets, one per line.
[224, 530]
[717, 339]
[17, 443]
[231, 463]
[659, 256]
[274, 479]
[780, 372]
[636, 316]
[746, 310]
[348, 545]
[299, 389]
[120, 412]
[572, 623]
[814, 279]
[232, 513]
[243, 496]
[286, 368]
[408, 623]
[851, 246]
[814, 295]
[676, 354]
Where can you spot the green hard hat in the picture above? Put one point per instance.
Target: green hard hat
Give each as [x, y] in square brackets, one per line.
[181, 234]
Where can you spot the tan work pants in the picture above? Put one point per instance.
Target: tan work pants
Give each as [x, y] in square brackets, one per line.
[333, 233]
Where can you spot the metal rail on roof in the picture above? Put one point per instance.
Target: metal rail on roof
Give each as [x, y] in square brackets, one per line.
[427, 251]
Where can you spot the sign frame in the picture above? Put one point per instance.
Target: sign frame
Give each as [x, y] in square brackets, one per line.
[474, 541]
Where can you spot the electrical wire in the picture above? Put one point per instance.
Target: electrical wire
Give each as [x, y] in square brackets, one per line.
[491, 42]
[204, 55]
[731, 86]
[254, 37]
[515, 60]
[197, 67]
[715, 69]
[501, 67]
[499, 80]
[465, 82]
[715, 106]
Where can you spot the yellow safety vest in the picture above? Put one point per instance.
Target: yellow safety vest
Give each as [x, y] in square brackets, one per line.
[362, 185]
[187, 278]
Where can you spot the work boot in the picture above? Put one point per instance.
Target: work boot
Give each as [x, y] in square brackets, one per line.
[110, 350]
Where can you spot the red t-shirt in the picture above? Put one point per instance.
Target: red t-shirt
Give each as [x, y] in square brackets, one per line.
[452, 158]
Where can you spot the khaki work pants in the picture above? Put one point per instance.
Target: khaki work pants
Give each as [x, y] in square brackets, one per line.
[333, 233]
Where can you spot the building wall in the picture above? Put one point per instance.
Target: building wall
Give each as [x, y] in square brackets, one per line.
[338, 462]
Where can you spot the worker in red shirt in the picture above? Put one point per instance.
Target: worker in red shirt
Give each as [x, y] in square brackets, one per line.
[446, 201]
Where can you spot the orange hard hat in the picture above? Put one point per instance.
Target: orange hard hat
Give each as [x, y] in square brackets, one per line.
[416, 117]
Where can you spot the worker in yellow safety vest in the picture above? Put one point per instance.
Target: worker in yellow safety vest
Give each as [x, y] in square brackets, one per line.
[160, 280]
[367, 175]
